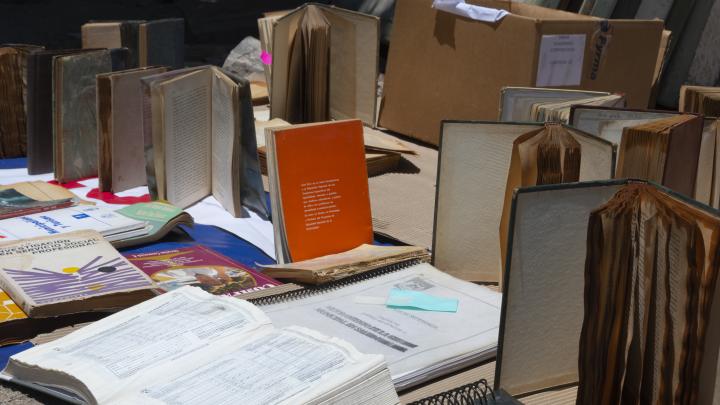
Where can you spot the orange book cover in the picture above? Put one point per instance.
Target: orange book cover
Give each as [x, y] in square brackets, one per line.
[323, 185]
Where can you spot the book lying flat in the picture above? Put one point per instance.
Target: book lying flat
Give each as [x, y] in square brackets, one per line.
[190, 346]
[650, 299]
[13, 103]
[199, 139]
[324, 65]
[362, 259]
[318, 189]
[418, 345]
[525, 104]
[132, 225]
[609, 123]
[69, 273]
[158, 42]
[43, 191]
[14, 204]
[480, 164]
[543, 285]
[201, 267]
[121, 146]
[664, 151]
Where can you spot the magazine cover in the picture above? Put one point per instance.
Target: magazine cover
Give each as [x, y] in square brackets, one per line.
[202, 267]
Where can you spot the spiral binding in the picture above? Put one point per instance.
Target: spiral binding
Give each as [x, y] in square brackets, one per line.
[477, 393]
[333, 285]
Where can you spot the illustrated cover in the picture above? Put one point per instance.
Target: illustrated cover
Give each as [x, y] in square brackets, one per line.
[68, 273]
[14, 203]
[202, 267]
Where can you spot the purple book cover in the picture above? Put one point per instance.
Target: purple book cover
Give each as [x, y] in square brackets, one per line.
[200, 267]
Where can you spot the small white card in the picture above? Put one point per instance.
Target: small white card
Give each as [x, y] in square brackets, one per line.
[561, 60]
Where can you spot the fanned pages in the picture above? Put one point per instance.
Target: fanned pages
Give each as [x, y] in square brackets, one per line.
[664, 151]
[474, 172]
[338, 266]
[324, 65]
[524, 104]
[198, 124]
[185, 347]
[609, 123]
[309, 73]
[701, 100]
[650, 289]
[74, 272]
[544, 283]
[548, 156]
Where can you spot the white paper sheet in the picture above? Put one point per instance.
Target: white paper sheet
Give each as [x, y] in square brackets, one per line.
[463, 9]
[207, 212]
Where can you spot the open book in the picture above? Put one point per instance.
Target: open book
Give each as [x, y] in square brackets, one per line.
[543, 288]
[481, 163]
[188, 346]
[665, 151]
[651, 298]
[700, 99]
[542, 104]
[324, 65]
[609, 123]
[200, 139]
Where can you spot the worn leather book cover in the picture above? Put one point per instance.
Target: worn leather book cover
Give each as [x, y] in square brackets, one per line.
[39, 115]
[13, 97]
[120, 137]
[113, 34]
[162, 42]
[74, 113]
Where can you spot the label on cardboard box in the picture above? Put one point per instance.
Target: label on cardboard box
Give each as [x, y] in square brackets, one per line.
[561, 60]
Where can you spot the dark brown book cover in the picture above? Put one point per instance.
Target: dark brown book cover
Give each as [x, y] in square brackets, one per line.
[13, 96]
[39, 115]
[74, 113]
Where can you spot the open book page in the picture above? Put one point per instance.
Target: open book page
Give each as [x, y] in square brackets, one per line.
[188, 146]
[127, 349]
[290, 366]
[225, 143]
[413, 342]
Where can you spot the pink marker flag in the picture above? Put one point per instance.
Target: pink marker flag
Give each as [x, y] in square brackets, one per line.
[266, 58]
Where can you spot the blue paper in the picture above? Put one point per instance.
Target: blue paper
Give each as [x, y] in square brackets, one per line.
[408, 299]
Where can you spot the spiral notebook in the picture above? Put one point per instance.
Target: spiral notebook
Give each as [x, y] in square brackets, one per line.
[418, 345]
[476, 393]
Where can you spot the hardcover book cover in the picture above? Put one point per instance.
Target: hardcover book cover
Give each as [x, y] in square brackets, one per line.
[202, 267]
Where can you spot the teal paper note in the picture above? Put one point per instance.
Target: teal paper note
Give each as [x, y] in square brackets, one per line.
[408, 299]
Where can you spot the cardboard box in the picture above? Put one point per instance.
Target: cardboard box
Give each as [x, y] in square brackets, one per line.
[443, 66]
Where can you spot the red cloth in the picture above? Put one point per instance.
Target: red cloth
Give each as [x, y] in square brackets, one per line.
[111, 198]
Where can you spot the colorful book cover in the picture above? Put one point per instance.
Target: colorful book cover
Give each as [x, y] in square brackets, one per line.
[202, 267]
[326, 205]
[68, 267]
[9, 310]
